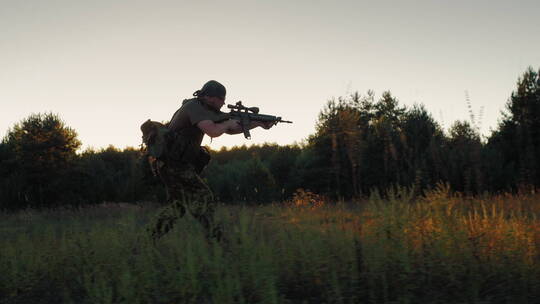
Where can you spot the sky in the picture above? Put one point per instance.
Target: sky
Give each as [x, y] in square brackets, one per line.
[107, 66]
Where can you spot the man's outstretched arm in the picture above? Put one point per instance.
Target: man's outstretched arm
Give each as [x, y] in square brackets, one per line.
[230, 126]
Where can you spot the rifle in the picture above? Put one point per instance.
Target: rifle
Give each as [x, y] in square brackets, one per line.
[246, 115]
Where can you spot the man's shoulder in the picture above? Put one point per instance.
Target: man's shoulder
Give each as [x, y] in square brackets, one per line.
[198, 107]
[195, 106]
[184, 115]
[190, 103]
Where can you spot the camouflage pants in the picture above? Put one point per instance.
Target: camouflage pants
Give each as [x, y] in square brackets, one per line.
[186, 191]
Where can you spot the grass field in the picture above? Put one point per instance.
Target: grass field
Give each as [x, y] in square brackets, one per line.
[440, 248]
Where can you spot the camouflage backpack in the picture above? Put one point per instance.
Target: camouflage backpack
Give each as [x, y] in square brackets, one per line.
[161, 145]
[155, 139]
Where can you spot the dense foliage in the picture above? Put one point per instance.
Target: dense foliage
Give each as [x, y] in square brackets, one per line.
[360, 144]
[439, 248]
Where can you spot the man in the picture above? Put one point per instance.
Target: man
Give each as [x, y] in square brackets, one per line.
[186, 191]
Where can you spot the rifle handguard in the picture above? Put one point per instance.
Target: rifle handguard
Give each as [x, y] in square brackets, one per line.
[245, 115]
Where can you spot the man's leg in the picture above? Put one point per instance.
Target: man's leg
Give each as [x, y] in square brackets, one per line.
[164, 221]
[200, 202]
[166, 218]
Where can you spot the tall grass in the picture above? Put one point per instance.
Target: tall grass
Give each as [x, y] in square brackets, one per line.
[441, 248]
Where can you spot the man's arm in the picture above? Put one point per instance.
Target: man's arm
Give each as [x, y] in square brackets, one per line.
[230, 126]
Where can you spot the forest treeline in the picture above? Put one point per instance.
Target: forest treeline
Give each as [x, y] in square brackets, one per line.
[361, 143]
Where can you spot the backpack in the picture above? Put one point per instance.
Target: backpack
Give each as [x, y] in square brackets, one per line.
[155, 139]
[160, 145]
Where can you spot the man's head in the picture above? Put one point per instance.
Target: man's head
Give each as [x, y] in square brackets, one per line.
[213, 93]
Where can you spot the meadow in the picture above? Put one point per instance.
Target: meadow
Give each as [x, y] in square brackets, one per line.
[391, 248]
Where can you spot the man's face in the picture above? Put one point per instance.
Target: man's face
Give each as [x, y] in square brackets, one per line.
[215, 102]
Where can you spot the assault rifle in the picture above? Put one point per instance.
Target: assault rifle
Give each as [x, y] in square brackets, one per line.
[246, 115]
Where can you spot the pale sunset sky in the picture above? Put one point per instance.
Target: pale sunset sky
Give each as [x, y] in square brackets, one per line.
[107, 66]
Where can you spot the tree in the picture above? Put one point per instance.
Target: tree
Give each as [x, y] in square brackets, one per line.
[42, 147]
[422, 141]
[385, 147]
[518, 135]
[465, 161]
[338, 141]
